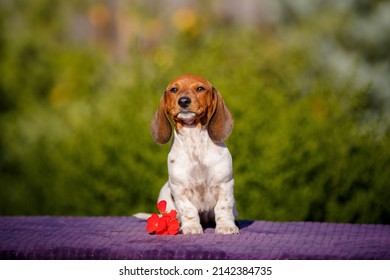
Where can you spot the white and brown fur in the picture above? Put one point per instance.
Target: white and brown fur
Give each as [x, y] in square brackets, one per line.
[200, 185]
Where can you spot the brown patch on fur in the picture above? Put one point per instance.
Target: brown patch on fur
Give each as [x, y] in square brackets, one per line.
[201, 190]
[188, 192]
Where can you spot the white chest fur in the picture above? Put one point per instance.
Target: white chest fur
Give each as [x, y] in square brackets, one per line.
[198, 167]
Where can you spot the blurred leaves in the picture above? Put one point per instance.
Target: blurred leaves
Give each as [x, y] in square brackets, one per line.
[79, 84]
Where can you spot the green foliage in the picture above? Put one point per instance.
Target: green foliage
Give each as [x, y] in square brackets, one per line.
[74, 121]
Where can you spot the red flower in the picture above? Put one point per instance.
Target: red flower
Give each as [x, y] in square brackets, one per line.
[173, 227]
[164, 224]
[162, 206]
[153, 222]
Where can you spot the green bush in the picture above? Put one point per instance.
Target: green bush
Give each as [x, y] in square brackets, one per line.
[75, 136]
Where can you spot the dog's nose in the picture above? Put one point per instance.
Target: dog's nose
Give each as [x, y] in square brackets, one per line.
[184, 102]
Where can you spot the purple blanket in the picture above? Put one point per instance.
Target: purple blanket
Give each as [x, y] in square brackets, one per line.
[126, 238]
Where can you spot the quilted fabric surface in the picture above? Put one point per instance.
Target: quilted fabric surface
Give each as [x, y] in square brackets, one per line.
[48, 237]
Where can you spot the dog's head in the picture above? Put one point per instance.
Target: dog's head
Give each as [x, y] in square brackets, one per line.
[193, 101]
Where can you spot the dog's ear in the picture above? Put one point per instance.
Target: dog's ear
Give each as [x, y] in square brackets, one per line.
[221, 122]
[161, 127]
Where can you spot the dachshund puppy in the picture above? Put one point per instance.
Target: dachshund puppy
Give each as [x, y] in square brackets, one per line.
[200, 185]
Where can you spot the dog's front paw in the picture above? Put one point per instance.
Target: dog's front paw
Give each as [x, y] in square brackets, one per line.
[192, 229]
[227, 229]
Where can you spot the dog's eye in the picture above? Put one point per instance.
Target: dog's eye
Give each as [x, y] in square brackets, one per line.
[200, 89]
[174, 90]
